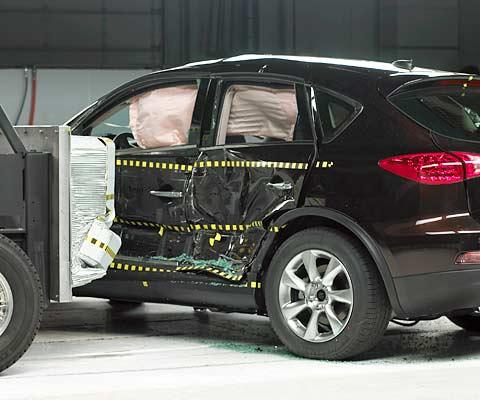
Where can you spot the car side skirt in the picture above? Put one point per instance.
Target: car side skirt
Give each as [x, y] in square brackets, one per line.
[194, 291]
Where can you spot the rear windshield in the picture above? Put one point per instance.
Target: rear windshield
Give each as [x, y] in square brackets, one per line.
[452, 112]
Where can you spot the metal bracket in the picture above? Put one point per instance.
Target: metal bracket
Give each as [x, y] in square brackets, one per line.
[11, 134]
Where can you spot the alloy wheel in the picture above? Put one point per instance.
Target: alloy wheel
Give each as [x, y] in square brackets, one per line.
[316, 295]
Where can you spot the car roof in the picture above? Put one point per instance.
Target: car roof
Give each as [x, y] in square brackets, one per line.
[273, 61]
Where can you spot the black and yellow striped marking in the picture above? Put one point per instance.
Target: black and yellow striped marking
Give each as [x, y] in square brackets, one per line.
[118, 266]
[214, 239]
[220, 164]
[153, 164]
[141, 268]
[324, 164]
[101, 245]
[196, 227]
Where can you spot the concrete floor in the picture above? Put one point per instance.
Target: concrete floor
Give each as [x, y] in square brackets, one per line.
[86, 350]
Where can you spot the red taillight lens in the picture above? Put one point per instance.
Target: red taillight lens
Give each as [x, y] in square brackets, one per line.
[471, 161]
[471, 257]
[434, 168]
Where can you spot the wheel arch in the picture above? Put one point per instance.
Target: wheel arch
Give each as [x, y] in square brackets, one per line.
[299, 219]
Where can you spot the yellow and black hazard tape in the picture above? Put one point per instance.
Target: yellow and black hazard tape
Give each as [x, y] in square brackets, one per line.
[153, 164]
[220, 164]
[118, 266]
[324, 164]
[142, 268]
[102, 245]
[196, 227]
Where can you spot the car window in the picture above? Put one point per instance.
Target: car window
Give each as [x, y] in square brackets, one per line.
[157, 118]
[333, 113]
[260, 113]
[447, 111]
[116, 123]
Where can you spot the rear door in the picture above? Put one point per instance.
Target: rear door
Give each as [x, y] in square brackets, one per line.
[257, 151]
[450, 109]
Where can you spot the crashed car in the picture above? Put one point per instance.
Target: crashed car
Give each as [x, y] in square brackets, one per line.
[332, 195]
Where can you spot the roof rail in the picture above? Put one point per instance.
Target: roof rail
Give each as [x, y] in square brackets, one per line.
[403, 64]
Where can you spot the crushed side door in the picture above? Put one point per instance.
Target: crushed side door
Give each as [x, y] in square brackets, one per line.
[235, 188]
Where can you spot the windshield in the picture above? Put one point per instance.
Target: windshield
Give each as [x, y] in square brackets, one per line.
[87, 110]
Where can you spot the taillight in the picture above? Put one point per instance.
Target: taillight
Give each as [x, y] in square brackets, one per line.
[471, 257]
[434, 168]
[471, 161]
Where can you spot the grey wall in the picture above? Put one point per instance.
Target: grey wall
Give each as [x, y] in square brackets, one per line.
[432, 32]
[61, 93]
[130, 35]
[156, 33]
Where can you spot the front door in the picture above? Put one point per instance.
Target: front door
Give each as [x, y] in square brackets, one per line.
[156, 133]
[150, 204]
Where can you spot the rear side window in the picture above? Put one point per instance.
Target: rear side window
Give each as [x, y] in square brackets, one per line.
[261, 113]
[451, 112]
[334, 113]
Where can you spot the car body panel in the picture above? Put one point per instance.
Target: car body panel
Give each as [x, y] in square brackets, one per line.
[233, 191]
[143, 217]
[461, 85]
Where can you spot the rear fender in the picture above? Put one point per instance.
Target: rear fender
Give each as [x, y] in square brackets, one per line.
[326, 217]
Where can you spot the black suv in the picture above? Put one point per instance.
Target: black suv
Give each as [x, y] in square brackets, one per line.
[331, 195]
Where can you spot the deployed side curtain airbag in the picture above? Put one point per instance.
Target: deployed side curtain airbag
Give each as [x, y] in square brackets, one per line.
[162, 117]
[262, 111]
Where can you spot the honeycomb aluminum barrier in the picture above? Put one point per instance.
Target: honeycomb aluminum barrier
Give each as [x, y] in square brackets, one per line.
[92, 174]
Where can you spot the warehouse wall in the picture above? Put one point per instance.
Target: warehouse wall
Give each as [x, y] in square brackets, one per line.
[61, 93]
[428, 31]
[127, 38]
[157, 33]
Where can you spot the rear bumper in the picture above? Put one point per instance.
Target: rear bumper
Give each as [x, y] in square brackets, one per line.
[439, 292]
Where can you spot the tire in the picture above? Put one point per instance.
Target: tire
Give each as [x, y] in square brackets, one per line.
[470, 323]
[124, 305]
[20, 282]
[356, 327]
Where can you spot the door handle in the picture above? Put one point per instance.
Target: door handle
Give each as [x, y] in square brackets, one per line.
[280, 185]
[167, 194]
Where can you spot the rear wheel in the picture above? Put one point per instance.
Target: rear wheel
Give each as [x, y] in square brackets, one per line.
[21, 302]
[324, 296]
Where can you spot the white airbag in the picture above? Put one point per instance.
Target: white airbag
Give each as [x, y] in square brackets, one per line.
[262, 111]
[162, 117]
